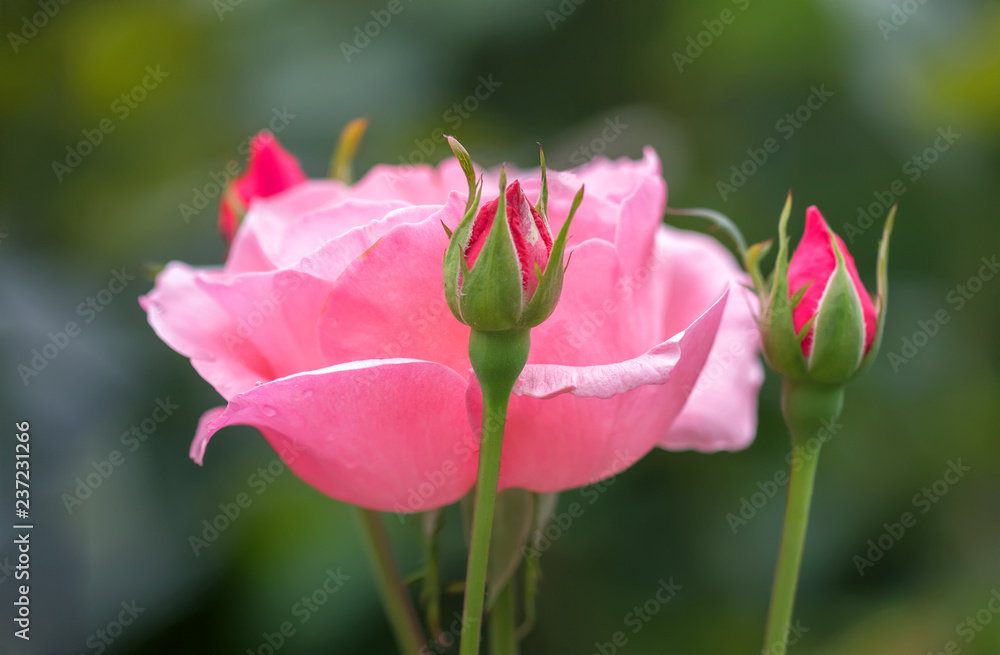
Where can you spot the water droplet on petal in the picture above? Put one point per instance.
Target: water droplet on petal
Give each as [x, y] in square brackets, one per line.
[307, 393]
[269, 411]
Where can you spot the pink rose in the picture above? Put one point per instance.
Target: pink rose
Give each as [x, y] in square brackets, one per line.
[327, 329]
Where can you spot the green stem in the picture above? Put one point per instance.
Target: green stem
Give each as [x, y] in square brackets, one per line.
[497, 358]
[805, 407]
[430, 595]
[393, 592]
[793, 538]
[532, 576]
[503, 622]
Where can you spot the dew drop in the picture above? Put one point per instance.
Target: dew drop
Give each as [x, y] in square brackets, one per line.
[269, 411]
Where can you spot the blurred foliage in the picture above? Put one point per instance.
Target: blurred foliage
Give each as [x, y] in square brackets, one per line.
[563, 69]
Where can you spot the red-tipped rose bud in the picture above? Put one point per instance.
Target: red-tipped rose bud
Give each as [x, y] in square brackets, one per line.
[532, 238]
[819, 322]
[271, 170]
[814, 263]
[497, 273]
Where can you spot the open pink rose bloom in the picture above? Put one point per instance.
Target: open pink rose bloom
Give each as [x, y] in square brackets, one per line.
[327, 329]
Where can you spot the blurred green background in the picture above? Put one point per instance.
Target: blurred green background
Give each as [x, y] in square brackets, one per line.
[700, 85]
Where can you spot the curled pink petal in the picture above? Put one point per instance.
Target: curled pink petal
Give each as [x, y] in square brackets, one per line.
[361, 433]
[569, 426]
[203, 433]
[653, 367]
[721, 413]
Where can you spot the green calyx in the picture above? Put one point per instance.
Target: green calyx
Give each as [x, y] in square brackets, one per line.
[490, 297]
[808, 406]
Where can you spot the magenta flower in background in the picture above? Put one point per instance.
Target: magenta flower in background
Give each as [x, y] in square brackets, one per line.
[271, 170]
[328, 330]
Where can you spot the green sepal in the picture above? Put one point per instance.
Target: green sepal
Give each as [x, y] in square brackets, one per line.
[347, 147]
[546, 297]
[454, 265]
[719, 221]
[804, 330]
[465, 161]
[755, 253]
[799, 294]
[839, 327]
[781, 347]
[543, 197]
[492, 296]
[882, 291]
